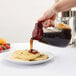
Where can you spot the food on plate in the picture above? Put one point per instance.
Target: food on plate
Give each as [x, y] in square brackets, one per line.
[4, 45]
[2, 41]
[41, 57]
[26, 55]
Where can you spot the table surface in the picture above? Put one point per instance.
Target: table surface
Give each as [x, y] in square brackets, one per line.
[63, 64]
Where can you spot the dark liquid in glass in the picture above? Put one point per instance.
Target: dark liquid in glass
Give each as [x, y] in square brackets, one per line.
[60, 38]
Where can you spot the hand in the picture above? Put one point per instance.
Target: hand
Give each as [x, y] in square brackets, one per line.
[48, 17]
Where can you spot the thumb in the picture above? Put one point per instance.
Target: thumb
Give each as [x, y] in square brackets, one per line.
[53, 17]
[42, 19]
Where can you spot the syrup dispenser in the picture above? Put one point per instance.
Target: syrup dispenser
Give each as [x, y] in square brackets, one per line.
[59, 35]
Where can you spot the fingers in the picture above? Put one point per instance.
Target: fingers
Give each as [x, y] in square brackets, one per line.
[49, 23]
[48, 18]
[53, 17]
[43, 18]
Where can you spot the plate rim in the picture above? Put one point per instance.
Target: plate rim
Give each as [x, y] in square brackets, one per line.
[6, 57]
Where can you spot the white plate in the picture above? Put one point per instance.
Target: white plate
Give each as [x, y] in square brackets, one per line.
[7, 58]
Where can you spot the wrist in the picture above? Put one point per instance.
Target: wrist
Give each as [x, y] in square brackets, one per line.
[55, 7]
[54, 10]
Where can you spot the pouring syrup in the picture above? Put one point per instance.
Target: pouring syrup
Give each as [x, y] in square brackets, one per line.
[59, 39]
